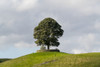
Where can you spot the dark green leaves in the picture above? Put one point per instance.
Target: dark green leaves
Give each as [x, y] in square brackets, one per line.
[47, 32]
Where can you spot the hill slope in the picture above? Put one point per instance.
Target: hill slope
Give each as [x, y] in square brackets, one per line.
[54, 59]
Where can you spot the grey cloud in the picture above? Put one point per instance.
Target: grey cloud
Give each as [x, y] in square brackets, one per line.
[78, 19]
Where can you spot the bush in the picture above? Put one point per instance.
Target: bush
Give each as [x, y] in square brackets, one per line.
[43, 48]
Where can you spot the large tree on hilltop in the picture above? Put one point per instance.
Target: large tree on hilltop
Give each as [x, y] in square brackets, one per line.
[47, 33]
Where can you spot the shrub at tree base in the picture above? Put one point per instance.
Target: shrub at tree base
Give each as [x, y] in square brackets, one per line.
[51, 50]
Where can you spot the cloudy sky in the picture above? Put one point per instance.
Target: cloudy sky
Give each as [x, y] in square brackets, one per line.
[80, 20]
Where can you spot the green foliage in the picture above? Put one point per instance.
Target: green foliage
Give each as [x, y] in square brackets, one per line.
[47, 32]
[2, 60]
[55, 59]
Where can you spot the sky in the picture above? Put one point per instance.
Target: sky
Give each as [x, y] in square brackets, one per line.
[80, 20]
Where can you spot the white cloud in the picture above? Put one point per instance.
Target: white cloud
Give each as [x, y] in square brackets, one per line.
[2, 40]
[19, 5]
[3, 2]
[87, 39]
[78, 51]
[97, 25]
[84, 7]
[78, 44]
[7, 41]
[24, 4]
[23, 45]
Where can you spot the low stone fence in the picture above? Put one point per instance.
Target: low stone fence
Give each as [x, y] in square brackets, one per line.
[51, 50]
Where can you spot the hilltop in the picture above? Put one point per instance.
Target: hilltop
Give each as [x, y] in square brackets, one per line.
[55, 59]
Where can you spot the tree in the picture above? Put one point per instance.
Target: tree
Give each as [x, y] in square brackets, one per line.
[47, 33]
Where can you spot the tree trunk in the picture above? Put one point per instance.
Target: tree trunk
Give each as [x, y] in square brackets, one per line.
[48, 47]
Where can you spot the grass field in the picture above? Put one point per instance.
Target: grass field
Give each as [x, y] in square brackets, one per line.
[55, 59]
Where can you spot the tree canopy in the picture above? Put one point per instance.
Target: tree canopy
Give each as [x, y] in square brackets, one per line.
[47, 33]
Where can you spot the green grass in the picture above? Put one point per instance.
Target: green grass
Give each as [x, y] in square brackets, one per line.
[78, 60]
[55, 59]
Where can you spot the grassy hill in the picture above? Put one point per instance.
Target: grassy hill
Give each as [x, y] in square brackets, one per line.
[55, 59]
[3, 59]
